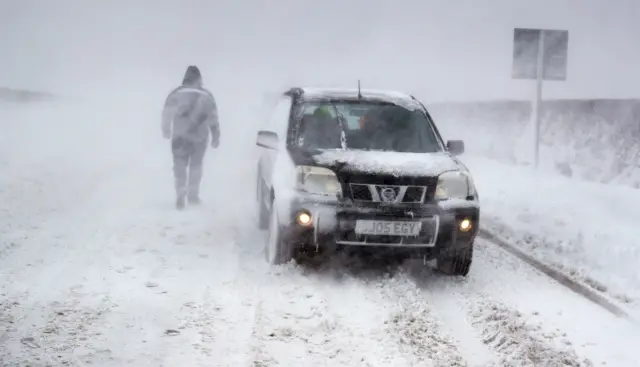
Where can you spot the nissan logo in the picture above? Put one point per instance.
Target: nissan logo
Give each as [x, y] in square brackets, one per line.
[388, 194]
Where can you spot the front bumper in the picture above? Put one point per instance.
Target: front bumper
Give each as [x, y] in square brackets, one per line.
[333, 226]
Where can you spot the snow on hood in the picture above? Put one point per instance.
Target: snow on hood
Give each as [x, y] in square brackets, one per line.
[395, 163]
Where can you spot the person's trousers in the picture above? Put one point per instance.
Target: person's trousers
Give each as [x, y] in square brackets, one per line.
[188, 157]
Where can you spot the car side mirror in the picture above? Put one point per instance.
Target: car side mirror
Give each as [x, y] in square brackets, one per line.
[267, 139]
[455, 147]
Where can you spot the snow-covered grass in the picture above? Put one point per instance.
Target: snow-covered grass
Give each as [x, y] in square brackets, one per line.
[595, 140]
[587, 229]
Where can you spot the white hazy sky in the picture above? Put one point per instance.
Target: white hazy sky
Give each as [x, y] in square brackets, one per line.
[440, 50]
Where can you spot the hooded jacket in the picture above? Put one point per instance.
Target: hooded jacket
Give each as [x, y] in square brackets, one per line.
[190, 111]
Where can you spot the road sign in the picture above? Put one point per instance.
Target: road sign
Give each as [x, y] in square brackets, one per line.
[539, 54]
[526, 46]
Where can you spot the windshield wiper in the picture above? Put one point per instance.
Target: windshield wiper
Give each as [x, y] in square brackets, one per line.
[341, 119]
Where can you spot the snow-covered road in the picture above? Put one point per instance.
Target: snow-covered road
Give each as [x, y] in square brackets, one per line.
[97, 268]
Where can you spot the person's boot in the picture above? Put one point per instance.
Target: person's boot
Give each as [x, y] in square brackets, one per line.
[180, 203]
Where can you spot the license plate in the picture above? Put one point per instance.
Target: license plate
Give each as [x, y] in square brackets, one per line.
[387, 228]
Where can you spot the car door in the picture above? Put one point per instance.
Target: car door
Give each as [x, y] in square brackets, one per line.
[279, 124]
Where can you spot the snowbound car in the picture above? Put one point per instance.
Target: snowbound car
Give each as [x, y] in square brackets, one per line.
[361, 168]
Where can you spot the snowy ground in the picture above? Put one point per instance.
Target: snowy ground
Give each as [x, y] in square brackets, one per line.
[97, 268]
[588, 230]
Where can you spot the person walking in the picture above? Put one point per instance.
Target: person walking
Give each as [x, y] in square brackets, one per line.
[190, 114]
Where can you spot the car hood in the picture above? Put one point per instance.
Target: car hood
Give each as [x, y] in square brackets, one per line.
[394, 163]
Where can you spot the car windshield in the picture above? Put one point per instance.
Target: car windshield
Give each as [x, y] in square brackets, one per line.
[365, 125]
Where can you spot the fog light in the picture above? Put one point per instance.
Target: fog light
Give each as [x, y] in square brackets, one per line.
[465, 225]
[304, 219]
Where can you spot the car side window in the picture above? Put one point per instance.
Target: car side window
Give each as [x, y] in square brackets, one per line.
[279, 121]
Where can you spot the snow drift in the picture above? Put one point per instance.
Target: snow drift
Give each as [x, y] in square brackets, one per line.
[592, 139]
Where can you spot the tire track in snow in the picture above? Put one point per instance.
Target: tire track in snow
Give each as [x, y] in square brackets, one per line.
[300, 321]
[506, 334]
[417, 335]
[521, 342]
[392, 312]
[513, 337]
[345, 318]
[446, 315]
[422, 333]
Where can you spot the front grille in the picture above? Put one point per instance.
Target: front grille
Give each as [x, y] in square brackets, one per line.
[361, 193]
[364, 187]
[415, 194]
[388, 193]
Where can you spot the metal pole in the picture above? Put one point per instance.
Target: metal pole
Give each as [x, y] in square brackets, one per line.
[538, 101]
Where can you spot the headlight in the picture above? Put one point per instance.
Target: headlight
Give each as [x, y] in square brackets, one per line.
[455, 185]
[317, 180]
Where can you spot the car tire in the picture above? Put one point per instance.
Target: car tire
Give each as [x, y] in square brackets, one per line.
[459, 264]
[263, 211]
[277, 250]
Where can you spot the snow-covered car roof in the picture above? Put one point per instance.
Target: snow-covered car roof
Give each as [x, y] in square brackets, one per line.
[390, 96]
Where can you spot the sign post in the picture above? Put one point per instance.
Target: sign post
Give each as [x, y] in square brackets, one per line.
[539, 54]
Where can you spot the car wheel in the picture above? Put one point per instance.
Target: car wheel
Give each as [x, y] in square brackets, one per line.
[277, 250]
[458, 264]
[263, 212]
